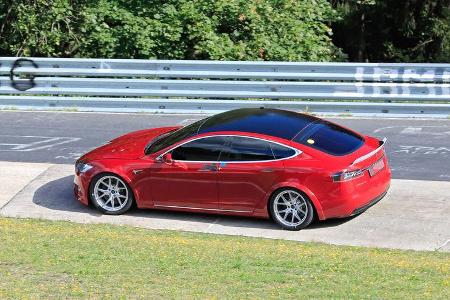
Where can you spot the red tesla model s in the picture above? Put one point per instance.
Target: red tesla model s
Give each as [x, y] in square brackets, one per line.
[265, 163]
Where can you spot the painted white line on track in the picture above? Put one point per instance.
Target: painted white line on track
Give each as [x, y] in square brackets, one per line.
[187, 121]
[426, 150]
[33, 143]
[411, 130]
[415, 130]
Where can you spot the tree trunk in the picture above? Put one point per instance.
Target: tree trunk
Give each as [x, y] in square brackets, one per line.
[362, 38]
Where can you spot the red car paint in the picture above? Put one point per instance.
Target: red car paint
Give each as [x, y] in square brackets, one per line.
[237, 188]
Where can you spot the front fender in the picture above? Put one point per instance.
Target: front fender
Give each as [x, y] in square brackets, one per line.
[113, 166]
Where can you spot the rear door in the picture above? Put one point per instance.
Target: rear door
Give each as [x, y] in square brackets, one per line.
[247, 171]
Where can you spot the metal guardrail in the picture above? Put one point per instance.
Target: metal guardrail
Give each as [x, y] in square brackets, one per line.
[203, 86]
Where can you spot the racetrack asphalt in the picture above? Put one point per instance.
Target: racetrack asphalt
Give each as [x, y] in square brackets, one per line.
[417, 149]
[37, 151]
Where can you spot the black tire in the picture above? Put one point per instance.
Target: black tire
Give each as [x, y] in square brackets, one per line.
[304, 210]
[121, 190]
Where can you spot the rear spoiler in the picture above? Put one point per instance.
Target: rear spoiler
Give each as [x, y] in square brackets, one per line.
[370, 154]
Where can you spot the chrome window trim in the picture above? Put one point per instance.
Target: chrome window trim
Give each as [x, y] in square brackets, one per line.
[297, 152]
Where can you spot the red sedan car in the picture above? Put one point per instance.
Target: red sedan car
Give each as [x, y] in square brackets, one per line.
[265, 163]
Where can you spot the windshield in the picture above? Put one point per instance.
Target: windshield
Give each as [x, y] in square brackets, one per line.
[167, 139]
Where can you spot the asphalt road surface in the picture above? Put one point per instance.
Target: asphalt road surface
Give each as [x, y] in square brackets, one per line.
[417, 149]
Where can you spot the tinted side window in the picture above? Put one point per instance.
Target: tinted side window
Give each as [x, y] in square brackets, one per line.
[206, 149]
[330, 138]
[280, 151]
[247, 149]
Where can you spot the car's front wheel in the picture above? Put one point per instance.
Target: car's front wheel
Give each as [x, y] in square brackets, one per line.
[110, 194]
[291, 209]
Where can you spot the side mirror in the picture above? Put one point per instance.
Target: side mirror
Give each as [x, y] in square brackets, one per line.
[166, 158]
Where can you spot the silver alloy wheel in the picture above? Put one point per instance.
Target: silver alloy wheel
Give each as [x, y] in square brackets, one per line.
[290, 208]
[111, 193]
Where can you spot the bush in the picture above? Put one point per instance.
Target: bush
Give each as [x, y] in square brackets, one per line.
[172, 29]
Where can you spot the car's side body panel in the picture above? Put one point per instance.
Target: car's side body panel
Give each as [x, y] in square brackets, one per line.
[183, 184]
[242, 186]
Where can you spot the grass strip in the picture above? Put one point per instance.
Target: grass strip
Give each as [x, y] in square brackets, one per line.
[45, 259]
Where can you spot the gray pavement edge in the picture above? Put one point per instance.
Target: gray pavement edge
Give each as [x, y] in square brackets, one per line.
[414, 214]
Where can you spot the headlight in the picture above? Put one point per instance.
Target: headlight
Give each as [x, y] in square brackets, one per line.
[81, 167]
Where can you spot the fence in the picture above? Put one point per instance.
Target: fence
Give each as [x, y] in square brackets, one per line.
[209, 86]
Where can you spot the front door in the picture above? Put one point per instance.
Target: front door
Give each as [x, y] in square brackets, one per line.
[190, 180]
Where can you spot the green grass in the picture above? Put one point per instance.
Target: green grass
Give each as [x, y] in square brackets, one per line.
[44, 259]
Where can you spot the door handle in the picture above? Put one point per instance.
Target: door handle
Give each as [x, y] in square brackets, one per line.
[268, 170]
[208, 168]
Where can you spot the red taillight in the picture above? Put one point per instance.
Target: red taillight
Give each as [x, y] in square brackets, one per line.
[347, 175]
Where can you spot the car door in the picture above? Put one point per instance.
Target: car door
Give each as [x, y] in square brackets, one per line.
[247, 171]
[190, 179]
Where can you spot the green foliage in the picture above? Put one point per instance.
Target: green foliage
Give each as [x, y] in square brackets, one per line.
[37, 27]
[392, 30]
[269, 30]
[173, 29]
[291, 30]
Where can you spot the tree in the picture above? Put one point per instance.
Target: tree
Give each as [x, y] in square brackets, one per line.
[170, 29]
[393, 30]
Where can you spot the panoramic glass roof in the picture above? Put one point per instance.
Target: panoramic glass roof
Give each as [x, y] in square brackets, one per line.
[274, 122]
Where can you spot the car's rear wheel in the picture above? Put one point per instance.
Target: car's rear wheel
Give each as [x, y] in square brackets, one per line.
[110, 194]
[291, 209]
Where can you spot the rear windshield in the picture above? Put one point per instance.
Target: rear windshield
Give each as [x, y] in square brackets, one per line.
[329, 138]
